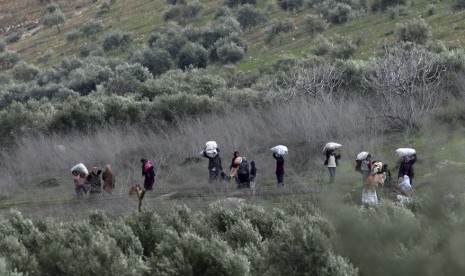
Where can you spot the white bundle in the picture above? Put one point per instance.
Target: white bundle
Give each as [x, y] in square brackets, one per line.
[80, 168]
[211, 145]
[331, 146]
[362, 155]
[403, 152]
[405, 185]
[211, 152]
[280, 149]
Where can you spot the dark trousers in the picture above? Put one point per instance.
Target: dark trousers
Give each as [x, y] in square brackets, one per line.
[213, 174]
[332, 174]
[80, 191]
[280, 178]
[243, 181]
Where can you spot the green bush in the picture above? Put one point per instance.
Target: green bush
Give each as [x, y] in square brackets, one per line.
[195, 82]
[414, 31]
[127, 79]
[91, 28]
[98, 253]
[236, 3]
[382, 5]
[148, 228]
[229, 52]
[46, 56]
[334, 12]
[78, 115]
[300, 237]
[17, 256]
[430, 9]
[85, 79]
[249, 17]
[170, 39]
[2, 45]
[157, 61]
[115, 40]
[459, 5]
[222, 11]
[314, 24]
[189, 254]
[192, 55]
[322, 46]
[290, 5]
[8, 59]
[182, 12]
[5, 271]
[53, 16]
[278, 27]
[123, 110]
[343, 48]
[171, 107]
[24, 72]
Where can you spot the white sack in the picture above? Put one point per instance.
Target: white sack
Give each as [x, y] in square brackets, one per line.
[211, 145]
[362, 155]
[280, 149]
[402, 152]
[80, 168]
[331, 146]
[405, 185]
[402, 199]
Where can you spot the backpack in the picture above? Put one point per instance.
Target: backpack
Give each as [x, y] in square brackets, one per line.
[243, 167]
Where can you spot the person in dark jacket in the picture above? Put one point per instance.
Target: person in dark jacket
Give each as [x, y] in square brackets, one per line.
[93, 179]
[406, 167]
[331, 162]
[279, 168]
[243, 174]
[214, 165]
[148, 171]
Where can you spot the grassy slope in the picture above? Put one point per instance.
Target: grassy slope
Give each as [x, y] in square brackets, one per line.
[143, 16]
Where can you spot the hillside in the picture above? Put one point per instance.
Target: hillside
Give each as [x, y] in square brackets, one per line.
[369, 30]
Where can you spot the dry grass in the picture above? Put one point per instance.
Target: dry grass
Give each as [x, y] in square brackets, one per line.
[303, 126]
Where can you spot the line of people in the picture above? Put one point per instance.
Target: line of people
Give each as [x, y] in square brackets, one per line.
[375, 174]
[92, 182]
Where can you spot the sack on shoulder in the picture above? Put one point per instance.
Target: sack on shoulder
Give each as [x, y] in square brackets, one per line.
[326, 162]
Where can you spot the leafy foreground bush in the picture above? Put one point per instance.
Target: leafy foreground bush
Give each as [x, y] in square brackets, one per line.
[247, 240]
[219, 242]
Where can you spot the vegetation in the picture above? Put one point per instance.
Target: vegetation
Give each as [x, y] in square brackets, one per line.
[163, 77]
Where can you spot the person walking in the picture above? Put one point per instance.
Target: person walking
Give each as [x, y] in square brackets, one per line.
[93, 180]
[214, 165]
[374, 179]
[79, 179]
[331, 162]
[148, 171]
[243, 174]
[279, 169]
[108, 178]
[406, 168]
[235, 162]
[365, 167]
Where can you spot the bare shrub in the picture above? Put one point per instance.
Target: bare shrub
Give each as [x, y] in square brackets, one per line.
[408, 83]
[316, 80]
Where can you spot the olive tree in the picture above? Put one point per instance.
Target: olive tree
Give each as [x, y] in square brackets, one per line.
[53, 16]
